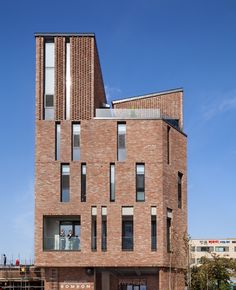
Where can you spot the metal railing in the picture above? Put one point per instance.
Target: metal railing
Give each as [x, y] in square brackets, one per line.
[129, 113]
[58, 243]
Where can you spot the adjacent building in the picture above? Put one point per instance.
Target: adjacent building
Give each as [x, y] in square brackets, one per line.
[110, 183]
[199, 248]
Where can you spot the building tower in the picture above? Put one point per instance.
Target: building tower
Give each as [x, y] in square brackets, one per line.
[110, 183]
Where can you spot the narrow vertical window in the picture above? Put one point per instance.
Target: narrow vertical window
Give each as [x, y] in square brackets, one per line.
[58, 140]
[49, 81]
[121, 142]
[94, 229]
[153, 229]
[168, 230]
[65, 182]
[112, 182]
[168, 144]
[180, 176]
[76, 142]
[104, 229]
[140, 182]
[83, 182]
[127, 229]
[68, 80]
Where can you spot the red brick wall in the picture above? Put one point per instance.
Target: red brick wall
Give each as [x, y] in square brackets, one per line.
[39, 77]
[170, 104]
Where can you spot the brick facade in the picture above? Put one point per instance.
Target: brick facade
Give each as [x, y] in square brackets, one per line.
[146, 142]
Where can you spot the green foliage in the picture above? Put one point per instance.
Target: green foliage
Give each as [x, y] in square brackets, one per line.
[212, 274]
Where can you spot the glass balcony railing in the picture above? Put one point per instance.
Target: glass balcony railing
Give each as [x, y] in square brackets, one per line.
[128, 113]
[58, 243]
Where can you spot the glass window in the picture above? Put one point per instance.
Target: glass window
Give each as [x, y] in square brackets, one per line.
[49, 81]
[76, 141]
[180, 175]
[94, 233]
[121, 142]
[65, 183]
[68, 81]
[58, 140]
[221, 249]
[168, 144]
[140, 182]
[83, 182]
[112, 182]
[127, 233]
[168, 229]
[104, 232]
[153, 233]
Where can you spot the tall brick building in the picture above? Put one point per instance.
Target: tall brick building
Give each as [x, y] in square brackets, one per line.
[110, 183]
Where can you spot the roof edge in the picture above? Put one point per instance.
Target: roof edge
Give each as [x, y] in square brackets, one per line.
[50, 34]
[148, 95]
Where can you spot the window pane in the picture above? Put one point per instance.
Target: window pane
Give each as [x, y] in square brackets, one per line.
[83, 182]
[49, 81]
[112, 182]
[140, 182]
[121, 142]
[65, 183]
[49, 54]
[58, 141]
[76, 141]
[49, 100]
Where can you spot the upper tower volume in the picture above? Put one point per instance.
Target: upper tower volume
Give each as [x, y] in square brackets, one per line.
[69, 84]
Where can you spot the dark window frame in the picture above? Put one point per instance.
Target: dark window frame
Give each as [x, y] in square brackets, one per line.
[83, 183]
[117, 137]
[112, 199]
[180, 189]
[153, 232]
[56, 141]
[168, 144]
[136, 180]
[104, 234]
[130, 220]
[61, 181]
[72, 140]
[94, 233]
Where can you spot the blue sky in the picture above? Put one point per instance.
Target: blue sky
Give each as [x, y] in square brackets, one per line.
[144, 46]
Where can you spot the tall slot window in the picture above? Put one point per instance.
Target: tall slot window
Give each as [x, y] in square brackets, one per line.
[168, 144]
[112, 182]
[121, 142]
[83, 182]
[49, 81]
[127, 229]
[153, 229]
[140, 182]
[180, 177]
[68, 81]
[65, 183]
[76, 142]
[104, 229]
[94, 229]
[168, 230]
[58, 141]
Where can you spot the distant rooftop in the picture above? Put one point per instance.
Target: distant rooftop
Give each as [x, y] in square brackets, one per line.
[148, 95]
[51, 34]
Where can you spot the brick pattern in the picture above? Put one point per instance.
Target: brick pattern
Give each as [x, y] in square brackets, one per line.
[60, 77]
[39, 77]
[169, 104]
[82, 70]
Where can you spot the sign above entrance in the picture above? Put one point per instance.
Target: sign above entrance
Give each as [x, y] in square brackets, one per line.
[75, 285]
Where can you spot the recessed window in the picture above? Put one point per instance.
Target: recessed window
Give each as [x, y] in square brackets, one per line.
[58, 140]
[112, 182]
[49, 81]
[94, 229]
[104, 229]
[180, 176]
[127, 229]
[140, 182]
[76, 142]
[65, 183]
[168, 144]
[121, 141]
[168, 229]
[83, 182]
[205, 249]
[153, 232]
[221, 249]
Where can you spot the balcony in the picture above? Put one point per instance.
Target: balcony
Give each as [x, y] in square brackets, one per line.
[136, 114]
[61, 233]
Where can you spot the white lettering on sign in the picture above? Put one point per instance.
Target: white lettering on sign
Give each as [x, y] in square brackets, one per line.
[81, 285]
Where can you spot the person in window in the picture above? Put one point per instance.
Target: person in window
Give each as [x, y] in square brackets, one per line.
[70, 239]
[62, 239]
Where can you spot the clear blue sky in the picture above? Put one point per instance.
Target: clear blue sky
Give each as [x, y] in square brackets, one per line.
[144, 46]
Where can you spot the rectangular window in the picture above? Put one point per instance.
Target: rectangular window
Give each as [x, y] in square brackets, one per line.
[127, 233]
[112, 182]
[154, 232]
[58, 140]
[65, 182]
[221, 249]
[180, 175]
[168, 229]
[140, 182]
[49, 81]
[83, 182]
[104, 229]
[121, 142]
[69, 235]
[68, 81]
[205, 249]
[76, 142]
[94, 229]
[168, 144]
